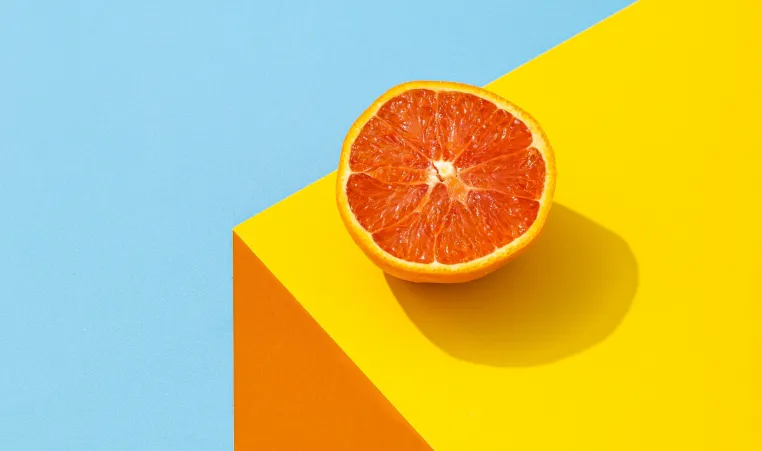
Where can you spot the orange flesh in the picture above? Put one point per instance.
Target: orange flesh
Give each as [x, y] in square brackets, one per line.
[444, 176]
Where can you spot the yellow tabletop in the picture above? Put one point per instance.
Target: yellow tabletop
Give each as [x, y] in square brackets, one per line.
[635, 322]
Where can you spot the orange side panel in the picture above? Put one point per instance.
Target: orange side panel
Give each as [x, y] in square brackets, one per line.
[294, 388]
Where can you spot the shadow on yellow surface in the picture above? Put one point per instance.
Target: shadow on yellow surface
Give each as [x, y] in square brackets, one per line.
[569, 291]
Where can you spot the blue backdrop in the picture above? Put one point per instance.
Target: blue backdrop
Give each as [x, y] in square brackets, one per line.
[135, 134]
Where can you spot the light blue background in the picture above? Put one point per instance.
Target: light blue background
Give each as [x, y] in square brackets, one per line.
[135, 134]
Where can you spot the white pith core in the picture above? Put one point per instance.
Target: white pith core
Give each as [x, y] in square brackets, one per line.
[445, 170]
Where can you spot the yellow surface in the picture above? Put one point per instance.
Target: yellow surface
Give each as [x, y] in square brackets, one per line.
[636, 322]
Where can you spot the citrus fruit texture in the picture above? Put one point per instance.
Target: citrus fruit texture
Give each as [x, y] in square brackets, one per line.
[444, 182]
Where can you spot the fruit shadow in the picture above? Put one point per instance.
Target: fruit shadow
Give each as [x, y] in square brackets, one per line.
[569, 291]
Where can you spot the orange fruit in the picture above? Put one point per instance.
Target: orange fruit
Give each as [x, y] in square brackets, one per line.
[444, 182]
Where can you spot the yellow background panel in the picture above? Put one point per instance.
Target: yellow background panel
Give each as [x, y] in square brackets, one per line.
[636, 320]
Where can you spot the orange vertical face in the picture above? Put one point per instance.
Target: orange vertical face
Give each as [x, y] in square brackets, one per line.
[294, 388]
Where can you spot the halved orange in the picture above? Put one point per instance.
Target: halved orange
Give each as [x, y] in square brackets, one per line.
[444, 182]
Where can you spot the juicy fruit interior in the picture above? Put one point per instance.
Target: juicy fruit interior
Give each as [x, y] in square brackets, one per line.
[444, 176]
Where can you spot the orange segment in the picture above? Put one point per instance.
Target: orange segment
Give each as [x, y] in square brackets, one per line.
[377, 204]
[380, 144]
[444, 182]
[413, 115]
[505, 217]
[461, 116]
[463, 237]
[501, 135]
[400, 174]
[520, 174]
[413, 238]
